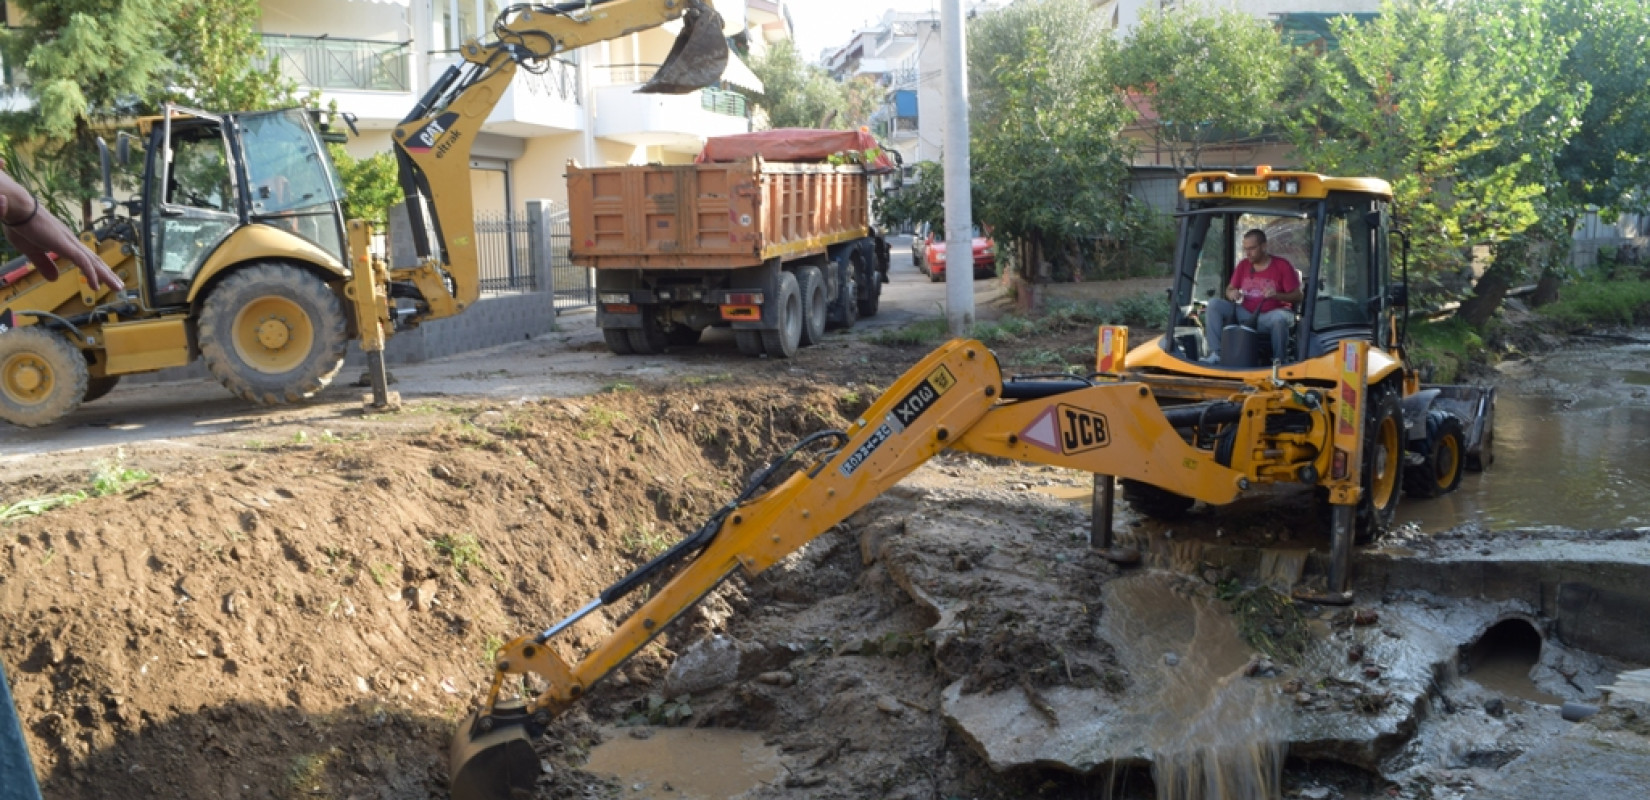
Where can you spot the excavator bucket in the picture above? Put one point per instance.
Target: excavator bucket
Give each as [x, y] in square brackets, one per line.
[493, 765]
[698, 57]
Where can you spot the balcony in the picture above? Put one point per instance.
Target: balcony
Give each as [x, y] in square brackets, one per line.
[371, 79]
[540, 103]
[675, 122]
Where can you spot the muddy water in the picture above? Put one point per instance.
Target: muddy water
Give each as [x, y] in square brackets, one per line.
[1212, 732]
[685, 763]
[1572, 448]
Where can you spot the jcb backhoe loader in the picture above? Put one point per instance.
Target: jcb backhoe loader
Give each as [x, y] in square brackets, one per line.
[236, 248]
[1338, 411]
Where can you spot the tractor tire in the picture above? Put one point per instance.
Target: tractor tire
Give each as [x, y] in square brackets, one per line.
[1442, 458]
[273, 333]
[750, 342]
[811, 283]
[845, 306]
[618, 341]
[1155, 502]
[42, 377]
[1382, 473]
[98, 387]
[650, 339]
[783, 341]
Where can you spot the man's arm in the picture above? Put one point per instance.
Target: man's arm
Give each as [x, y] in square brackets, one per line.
[37, 234]
[1291, 276]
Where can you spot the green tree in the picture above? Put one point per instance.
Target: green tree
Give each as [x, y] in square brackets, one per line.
[1200, 77]
[1466, 133]
[217, 59]
[918, 201]
[1607, 162]
[370, 184]
[1050, 170]
[797, 94]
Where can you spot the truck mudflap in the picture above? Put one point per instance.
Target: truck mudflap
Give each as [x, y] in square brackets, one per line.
[1475, 407]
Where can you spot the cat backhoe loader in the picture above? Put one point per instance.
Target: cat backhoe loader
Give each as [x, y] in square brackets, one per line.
[237, 251]
[1338, 413]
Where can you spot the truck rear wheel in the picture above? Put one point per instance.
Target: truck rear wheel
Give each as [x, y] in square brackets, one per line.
[811, 283]
[870, 282]
[273, 333]
[618, 341]
[750, 342]
[42, 377]
[783, 340]
[650, 339]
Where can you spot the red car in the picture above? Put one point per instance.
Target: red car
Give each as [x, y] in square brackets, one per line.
[933, 259]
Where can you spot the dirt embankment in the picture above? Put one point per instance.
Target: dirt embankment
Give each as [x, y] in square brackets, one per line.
[309, 619]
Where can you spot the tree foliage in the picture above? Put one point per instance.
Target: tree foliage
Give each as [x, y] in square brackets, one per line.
[1049, 169]
[218, 62]
[921, 199]
[1607, 161]
[371, 184]
[797, 94]
[1465, 132]
[1198, 77]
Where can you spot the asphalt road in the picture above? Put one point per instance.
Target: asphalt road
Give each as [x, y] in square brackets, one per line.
[568, 362]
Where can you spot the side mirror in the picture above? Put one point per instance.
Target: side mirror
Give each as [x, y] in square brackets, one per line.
[123, 149]
[1397, 294]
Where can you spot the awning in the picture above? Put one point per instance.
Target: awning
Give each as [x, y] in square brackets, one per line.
[741, 76]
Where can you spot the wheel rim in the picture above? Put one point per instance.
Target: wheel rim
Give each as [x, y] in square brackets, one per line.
[273, 335]
[1383, 465]
[27, 378]
[1447, 461]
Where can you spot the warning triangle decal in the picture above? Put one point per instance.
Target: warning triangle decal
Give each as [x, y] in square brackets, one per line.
[1044, 431]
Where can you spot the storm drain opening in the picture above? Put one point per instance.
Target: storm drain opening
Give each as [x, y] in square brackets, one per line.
[1501, 660]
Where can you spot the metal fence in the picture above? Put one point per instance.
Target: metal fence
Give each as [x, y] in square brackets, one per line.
[571, 287]
[332, 63]
[504, 252]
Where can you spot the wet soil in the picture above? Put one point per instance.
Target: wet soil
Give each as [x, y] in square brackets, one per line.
[304, 608]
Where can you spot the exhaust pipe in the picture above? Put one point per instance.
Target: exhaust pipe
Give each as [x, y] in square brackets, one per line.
[698, 57]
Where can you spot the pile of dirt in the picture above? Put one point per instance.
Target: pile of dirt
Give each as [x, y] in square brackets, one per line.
[310, 619]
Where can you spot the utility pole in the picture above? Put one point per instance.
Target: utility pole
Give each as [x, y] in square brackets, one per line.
[959, 216]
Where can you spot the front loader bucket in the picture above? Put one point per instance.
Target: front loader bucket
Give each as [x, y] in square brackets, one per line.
[698, 57]
[496, 765]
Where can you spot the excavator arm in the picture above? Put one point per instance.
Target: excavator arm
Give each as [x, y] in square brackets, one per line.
[433, 142]
[954, 399]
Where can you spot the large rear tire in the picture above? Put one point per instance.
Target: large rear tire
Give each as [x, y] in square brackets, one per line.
[273, 333]
[650, 339]
[1443, 455]
[42, 377]
[869, 279]
[811, 283]
[618, 341]
[1383, 468]
[782, 342]
[750, 342]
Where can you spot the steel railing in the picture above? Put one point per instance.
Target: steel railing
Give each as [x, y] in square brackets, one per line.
[329, 62]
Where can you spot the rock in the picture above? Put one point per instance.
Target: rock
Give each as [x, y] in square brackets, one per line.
[889, 705]
[781, 678]
[422, 596]
[1315, 793]
[1172, 659]
[1364, 617]
[57, 652]
[705, 664]
[1576, 712]
[362, 686]
[1495, 706]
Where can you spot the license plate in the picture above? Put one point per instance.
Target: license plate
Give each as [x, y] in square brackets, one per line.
[1251, 191]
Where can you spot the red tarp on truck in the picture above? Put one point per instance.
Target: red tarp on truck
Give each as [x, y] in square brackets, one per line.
[795, 144]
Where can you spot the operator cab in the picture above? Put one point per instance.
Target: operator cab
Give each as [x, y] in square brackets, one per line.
[211, 175]
[1332, 230]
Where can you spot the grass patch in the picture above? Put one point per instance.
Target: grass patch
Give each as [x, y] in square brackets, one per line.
[702, 380]
[462, 553]
[109, 477]
[1585, 305]
[647, 541]
[921, 332]
[1143, 310]
[1441, 349]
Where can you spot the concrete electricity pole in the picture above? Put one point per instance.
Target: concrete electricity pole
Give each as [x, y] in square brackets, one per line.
[959, 217]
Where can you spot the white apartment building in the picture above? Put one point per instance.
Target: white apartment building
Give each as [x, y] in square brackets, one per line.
[376, 58]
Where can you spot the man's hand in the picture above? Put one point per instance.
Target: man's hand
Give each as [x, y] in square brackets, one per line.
[43, 235]
[1234, 294]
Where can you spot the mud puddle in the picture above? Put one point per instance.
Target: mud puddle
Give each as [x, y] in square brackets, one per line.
[685, 763]
[1571, 431]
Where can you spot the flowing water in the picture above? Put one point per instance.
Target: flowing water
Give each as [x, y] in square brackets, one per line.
[1212, 733]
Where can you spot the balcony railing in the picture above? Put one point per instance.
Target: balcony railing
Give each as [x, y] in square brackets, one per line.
[328, 62]
[559, 81]
[716, 101]
[623, 74]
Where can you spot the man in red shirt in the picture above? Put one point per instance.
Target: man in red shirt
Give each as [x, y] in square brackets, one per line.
[1262, 294]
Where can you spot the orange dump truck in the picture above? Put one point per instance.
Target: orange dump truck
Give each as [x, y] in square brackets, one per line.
[764, 234]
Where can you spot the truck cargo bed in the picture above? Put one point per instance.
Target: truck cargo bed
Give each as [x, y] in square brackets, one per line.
[713, 215]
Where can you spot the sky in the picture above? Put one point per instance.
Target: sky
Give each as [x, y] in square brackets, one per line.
[829, 23]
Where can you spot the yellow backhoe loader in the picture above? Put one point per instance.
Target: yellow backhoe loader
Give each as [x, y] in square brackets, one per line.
[1338, 412]
[236, 250]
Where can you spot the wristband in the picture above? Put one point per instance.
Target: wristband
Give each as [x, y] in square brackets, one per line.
[27, 219]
